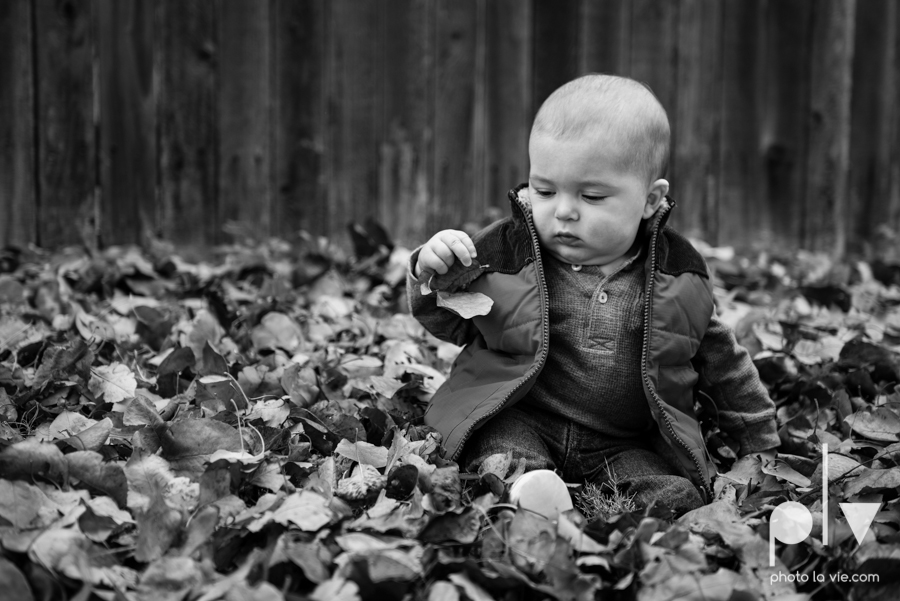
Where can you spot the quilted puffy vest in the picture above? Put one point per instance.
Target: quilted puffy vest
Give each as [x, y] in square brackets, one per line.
[499, 365]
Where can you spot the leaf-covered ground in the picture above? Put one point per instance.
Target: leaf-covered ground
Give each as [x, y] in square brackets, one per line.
[248, 426]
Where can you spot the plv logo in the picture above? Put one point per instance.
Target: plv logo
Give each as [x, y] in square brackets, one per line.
[791, 522]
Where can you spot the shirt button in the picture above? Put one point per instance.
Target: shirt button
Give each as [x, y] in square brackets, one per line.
[603, 297]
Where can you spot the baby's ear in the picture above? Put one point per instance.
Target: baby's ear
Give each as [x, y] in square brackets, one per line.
[656, 193]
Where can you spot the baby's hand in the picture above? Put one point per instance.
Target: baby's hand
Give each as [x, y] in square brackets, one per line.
[443, 249]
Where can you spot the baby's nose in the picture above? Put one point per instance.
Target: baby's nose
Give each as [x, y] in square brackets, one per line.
[566, 208]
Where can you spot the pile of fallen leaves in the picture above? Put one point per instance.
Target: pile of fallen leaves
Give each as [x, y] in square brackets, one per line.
[248, 426]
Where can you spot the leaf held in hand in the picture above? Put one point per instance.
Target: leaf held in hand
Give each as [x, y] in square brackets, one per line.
[465, 304]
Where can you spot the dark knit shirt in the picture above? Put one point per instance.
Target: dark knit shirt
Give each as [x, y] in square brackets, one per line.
[593, 370]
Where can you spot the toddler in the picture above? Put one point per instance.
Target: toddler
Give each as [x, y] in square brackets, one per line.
[603, 326]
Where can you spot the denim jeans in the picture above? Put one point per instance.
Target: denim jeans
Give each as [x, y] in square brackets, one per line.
[579, 454]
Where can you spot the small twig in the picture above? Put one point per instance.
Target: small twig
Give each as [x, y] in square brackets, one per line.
[237, 410]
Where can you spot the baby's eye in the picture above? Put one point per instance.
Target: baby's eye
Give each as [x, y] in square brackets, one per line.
[593, 197]
[544, 193]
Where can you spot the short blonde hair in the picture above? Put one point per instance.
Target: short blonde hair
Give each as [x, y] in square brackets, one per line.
[609, 104]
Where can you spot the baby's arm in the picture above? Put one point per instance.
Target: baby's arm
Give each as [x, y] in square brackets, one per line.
[437, 256]
[746, 412]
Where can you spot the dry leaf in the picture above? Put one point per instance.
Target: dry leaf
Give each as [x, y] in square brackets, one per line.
[114, 382]
[880, 424]
[782, 470]
[272, 413]
[306, 510]
[158, 524]
[277, 331]
[69, 423]
[90, 468]
[13, 582]
[29, 459]
[363, 452]
[364, 481]
[465, 304]
[21, 504]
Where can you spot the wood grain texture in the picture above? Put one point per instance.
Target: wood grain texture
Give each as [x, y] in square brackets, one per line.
[127, 118]
[694, 172]
[740, 221]
[298, 124]
[654, 52]
[874, 119]
[786, 47]
[893, 197]
[454, 138]
[270, 116]
[355, 99]
[827, 164]
[605, 37]
[406, 164]
[17, 176]
[508, 102]
[66, 168]
[188, 133]
[556, 42]
[245, 102]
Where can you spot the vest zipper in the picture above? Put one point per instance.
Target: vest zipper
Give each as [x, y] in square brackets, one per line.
[545, 328]
[645, 355]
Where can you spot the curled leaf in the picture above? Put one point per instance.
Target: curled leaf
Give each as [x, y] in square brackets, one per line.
[878, 424]
[29, 459]
[90, 468]
[465, 304]
[363, 452]
[365, 481]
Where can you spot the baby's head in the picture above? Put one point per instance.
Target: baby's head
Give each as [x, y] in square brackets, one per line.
[598, 151]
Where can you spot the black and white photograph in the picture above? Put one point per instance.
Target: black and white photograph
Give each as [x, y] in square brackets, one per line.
[450, 300]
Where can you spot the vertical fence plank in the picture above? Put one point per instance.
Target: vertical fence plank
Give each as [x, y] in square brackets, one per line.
[604, 39]
[17, 184]
[407, 159]
[454, 141]
[245, 203]
[508, 99]
[187, 121]
[829, 138]
[555, 45]
[287, 114]
[66, 141]
[742, 217]
[127, 118]
[654, 53]
[297, 128]
[696, 118]
[785, 125]
[355, 104]
[874, 118]
[894, 148]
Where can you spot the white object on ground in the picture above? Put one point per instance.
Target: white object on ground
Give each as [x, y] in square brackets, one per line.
[541, 491]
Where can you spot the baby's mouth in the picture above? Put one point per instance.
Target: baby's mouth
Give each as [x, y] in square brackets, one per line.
[566, 238]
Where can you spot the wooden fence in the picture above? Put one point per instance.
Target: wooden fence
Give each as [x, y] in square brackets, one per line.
[180, 116]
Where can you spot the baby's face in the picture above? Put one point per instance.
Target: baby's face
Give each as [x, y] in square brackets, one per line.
[586, 207]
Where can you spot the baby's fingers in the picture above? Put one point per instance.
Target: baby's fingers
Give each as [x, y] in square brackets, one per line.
[461, 246]
[437, 257]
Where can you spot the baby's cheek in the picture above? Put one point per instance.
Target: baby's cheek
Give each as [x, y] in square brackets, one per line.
[542, 227]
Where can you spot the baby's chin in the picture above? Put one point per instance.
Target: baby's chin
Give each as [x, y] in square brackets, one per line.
[576, 256]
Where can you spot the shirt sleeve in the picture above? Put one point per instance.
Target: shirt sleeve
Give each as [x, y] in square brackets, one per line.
[727, 373]
[443, 324]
